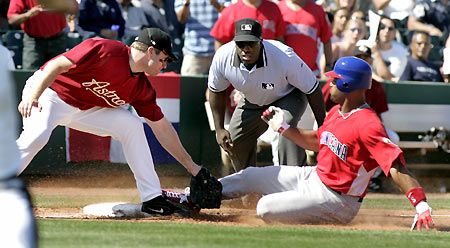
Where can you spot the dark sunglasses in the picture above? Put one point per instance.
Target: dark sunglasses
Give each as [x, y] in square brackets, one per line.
[243, 44]
[383, 27]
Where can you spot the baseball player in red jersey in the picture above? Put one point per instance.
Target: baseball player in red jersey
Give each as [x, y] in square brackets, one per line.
[84, 88]
[351, 144]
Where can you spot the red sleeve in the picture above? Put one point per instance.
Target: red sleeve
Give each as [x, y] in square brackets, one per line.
[376, 98]
[16, 7]
[149, 110]
[146, 105]
[223, 30]
[381, 149]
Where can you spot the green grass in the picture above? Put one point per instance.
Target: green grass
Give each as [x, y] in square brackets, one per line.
[76, 233]
[402, 203]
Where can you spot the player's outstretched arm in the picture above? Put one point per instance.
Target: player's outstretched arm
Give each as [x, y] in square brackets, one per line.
[414, 192]
[44, 80]
[168, 138]
[307, 139]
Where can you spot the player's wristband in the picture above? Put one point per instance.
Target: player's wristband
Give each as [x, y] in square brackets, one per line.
[416, 195]
[284, 126]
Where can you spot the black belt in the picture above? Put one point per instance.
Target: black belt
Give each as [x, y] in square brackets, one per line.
[340, 193]
[53, 37]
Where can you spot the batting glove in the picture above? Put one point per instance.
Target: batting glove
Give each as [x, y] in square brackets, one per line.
[423, 216]
[275, 118]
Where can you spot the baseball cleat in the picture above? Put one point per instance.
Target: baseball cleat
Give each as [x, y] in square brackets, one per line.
[162, 206]
[180, 199]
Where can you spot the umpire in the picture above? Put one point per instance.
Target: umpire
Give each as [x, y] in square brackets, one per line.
[265, 72]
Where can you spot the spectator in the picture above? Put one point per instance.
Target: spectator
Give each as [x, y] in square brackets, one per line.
[44, 37]
[102, 17]
[446, 65]
[390, 56]
[74, 29]
[397, 10]
[265, 72]
[340, 18]
[328, 6]
[418, 67]
[306, 23]
[350, 5]
[377, 100]
[161, 14]
[432, 17]
[359, 15]
[355, 30]
[199, 17]
[135, 20]
[265, 11]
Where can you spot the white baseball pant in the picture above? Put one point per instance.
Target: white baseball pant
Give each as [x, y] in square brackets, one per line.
[118, 123]
[291, 195]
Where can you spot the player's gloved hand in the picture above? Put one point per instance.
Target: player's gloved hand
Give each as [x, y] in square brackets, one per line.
[224, 140]
[423, 216]
[274, 116]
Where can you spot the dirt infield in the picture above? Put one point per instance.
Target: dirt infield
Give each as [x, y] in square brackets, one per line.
[229, 214]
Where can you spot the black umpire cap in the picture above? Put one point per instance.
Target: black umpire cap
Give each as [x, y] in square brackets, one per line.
[247, 29]
[158, 39]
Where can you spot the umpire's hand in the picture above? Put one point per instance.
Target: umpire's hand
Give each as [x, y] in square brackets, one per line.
[224, 140]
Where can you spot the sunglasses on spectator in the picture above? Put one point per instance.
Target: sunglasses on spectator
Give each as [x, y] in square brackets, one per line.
[243, 44]
[356, 29]
[389, 28]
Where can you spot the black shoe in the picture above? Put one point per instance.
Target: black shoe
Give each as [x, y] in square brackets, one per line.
[161, 206]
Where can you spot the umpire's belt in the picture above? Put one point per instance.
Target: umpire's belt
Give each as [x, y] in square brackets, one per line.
[340, 193]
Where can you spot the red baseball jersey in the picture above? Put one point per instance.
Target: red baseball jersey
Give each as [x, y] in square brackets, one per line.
[303, 29]
[375, 97]
[267, 14]
[352, 146]
[101, 77]
[44, 24]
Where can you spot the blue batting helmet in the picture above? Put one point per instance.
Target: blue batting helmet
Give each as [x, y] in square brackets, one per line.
[352, 74]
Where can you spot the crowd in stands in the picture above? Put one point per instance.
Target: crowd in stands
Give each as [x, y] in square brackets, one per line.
[410, 43]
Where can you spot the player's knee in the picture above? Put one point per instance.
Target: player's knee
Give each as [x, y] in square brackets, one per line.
[31, 140]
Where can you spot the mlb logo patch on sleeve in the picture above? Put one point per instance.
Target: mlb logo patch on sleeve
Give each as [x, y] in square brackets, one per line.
[267, 86]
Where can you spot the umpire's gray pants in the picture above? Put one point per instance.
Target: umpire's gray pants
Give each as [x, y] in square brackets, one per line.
[246, 126]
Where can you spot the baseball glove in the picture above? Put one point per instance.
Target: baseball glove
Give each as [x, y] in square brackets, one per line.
[206, 190]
